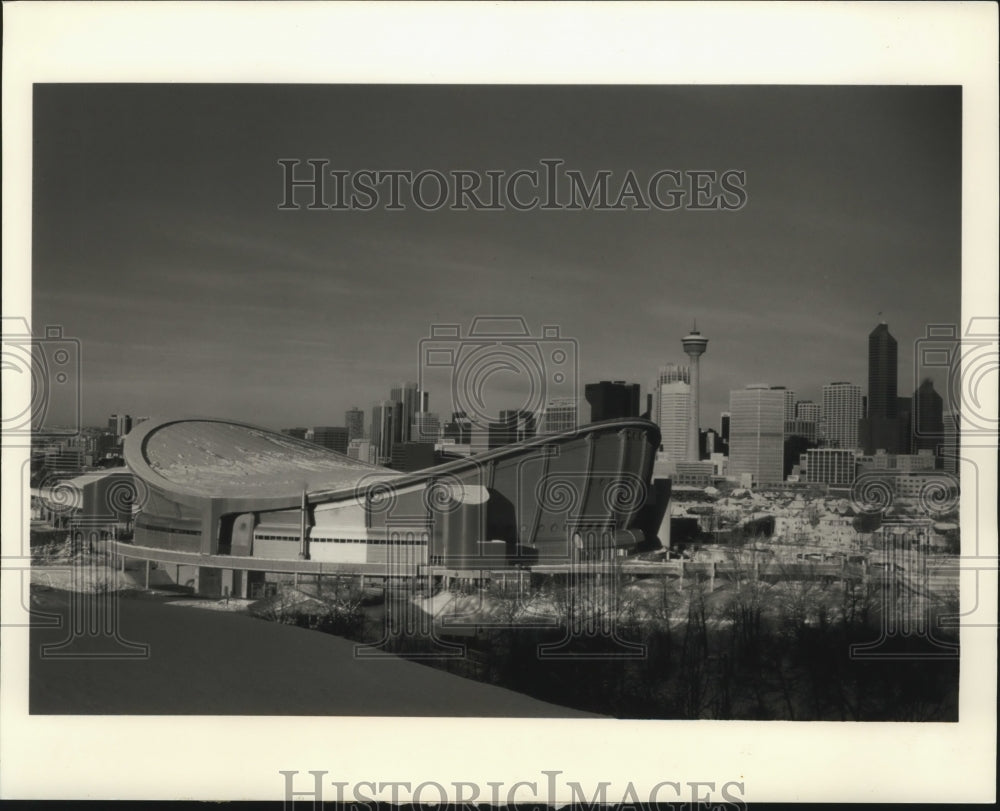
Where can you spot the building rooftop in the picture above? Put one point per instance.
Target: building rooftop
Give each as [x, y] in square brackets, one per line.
[229, 459]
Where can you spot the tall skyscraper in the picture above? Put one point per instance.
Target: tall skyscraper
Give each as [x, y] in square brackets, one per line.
[384, 417]
[119, 425]
[904, 425]
[881, 428]
[724, 425]
[611, 400]
[426, 427]
[882, 372]
[841, 414]
[354, 419]
[673, 409]
[408, 396]
[928, 418]
[789, 401]
[756, 433]
[951, 445]
[808, 411]
[694, 345]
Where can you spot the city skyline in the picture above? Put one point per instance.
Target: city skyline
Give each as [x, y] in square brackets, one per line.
[186, 284]
[794, 405]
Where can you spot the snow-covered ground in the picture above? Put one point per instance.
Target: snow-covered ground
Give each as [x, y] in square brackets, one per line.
[70, 567]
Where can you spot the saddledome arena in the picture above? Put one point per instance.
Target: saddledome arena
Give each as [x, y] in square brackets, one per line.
[222, 504]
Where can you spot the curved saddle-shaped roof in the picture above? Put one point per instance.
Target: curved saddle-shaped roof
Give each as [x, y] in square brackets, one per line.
[225, 459]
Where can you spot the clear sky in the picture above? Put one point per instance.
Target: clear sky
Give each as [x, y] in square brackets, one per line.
[158, 241]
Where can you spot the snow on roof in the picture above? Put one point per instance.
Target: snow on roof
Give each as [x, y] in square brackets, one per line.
[223, 459]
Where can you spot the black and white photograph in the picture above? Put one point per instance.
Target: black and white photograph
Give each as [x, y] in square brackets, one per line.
[542, 410]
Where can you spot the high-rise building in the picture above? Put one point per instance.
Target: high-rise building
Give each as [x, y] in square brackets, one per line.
[882, 372]
[951, 443]
[354, 419]
[841, 414]
[426, 427]
[802, 428]
[756, 439]
[385, 415]
[694, 345]
[333, 438]
[610, 400]
[673, 409]
[904, 425]
[360, 449]
[789, 401]
[408, 396]
[560, 415]
[881, 428]
[410, 456]
[724, 426]
[808, 411]
[928, 418]
[119, 425]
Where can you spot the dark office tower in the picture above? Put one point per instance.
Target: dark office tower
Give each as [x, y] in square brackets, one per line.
[354, 419]
[881, 428]
[904, 425]
[119, 425]
[882, 371]
[709, 442]
[384, 418]
[333, 438]
[410, 456]
[725, 426]
[611, 400]
[928, 418]
[408, 396]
